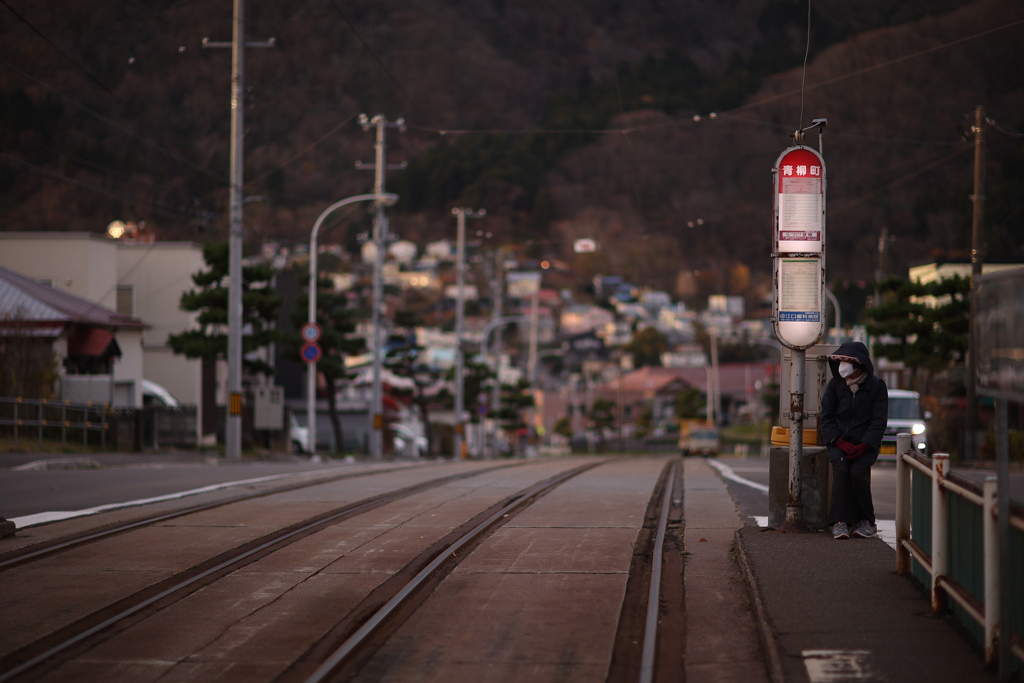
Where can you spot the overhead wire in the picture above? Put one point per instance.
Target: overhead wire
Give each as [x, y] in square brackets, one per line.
[803, 77]
[74, 62]
[31, 168]
[116, 126]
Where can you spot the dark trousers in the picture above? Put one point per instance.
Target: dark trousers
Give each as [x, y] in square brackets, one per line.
[851, 490]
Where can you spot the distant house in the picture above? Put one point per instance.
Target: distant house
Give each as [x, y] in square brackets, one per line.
[94, 353]
[137, 279]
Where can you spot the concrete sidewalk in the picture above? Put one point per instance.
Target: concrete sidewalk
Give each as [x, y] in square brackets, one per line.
[836, 611]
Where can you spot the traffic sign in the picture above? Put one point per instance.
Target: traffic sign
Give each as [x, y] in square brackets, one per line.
[311, 352]
[311, 332]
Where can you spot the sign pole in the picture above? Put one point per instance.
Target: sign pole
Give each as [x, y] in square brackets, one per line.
[799, 267]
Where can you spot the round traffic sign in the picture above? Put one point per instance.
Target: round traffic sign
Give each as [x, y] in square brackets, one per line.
[311, 352]
[310, 332]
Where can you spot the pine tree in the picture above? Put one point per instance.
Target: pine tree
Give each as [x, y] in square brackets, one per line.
[260, 303]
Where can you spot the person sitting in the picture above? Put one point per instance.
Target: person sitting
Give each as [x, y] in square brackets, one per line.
[854, 412]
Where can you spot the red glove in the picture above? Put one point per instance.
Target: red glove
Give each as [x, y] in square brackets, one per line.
[852, 450]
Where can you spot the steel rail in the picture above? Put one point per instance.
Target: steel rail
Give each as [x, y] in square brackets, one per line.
[647, 659]
[28, 555]
[340, 656]
[273, 539]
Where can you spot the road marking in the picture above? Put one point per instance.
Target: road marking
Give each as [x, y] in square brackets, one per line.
[886, 528]
[58, 515]
[839, 666]
[730, 474]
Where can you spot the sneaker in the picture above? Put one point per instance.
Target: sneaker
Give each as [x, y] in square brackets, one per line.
[865, 529]
[840, 531]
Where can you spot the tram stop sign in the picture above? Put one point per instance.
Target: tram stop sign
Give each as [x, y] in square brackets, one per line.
[799, 247]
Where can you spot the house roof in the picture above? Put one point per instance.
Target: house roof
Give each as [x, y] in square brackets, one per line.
[735, 379]
[27, 301]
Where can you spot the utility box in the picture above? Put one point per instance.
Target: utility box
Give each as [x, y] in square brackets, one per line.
[268, 409]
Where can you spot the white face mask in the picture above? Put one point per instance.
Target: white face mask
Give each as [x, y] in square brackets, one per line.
[845, 369]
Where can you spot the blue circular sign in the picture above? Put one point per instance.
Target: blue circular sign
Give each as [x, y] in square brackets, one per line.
[311, 352]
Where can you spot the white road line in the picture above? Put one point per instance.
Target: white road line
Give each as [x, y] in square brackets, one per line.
[728, 473]
[57, 515]
[886, 529]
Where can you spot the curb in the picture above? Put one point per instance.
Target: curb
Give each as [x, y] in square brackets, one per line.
[773, 658]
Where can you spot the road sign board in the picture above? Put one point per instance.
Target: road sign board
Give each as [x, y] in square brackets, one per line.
[311, 352]
[310, 332]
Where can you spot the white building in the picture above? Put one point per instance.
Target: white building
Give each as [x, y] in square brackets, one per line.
[144, 280]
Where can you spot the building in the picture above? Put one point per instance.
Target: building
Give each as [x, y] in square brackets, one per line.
[96, 352]
[143, 280]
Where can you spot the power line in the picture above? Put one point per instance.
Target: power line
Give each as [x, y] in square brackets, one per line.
[78, 65]
[303, 152]
[18, 163]
[113, 124]
[377, 59]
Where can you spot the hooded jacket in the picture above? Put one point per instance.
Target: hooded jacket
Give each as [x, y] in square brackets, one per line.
[858, 417]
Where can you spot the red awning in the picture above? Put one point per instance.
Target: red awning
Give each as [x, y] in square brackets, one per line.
[93, 341]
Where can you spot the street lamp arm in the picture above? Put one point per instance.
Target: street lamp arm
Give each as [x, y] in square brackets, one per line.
[498, 322]
[387, 199]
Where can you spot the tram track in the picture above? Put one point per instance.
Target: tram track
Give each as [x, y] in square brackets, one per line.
[89, 626]
[361, 630]
[51, 547]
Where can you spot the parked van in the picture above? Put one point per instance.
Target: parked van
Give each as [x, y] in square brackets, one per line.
[905, 417]
[155, 395]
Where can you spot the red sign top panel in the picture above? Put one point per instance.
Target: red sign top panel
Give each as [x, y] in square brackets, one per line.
[800, 171]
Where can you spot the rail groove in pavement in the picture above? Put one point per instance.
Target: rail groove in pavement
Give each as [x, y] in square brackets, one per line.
[54, 546]
[50, 647]
[360, 632]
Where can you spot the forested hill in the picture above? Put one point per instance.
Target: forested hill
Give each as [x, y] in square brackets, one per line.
[564, 119]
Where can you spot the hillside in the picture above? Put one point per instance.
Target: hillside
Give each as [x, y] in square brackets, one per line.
[564, 119]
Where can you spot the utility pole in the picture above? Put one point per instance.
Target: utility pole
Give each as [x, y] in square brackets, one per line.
[233, 426]
[461, 213]
[380, 239]
[977, 257]
[496, 308]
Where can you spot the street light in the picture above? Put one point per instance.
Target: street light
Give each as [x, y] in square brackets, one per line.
[387, 199]
[461, 213]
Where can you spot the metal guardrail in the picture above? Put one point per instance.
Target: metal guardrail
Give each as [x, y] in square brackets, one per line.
[938, 559]
[24, 414]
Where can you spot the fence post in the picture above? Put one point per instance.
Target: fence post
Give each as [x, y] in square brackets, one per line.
[991, 552]
[903, 445]
[940, 531]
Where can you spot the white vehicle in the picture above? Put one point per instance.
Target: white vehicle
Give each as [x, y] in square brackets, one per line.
[155, 395]
[905, 417]
[408, 442]
[298, 436]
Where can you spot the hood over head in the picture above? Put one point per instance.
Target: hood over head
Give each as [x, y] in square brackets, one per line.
[851, 351]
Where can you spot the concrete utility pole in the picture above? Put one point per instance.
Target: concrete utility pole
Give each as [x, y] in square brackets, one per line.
[233, 426]
[496, 309]
[380, 239]
[977, 258]
[461, 213]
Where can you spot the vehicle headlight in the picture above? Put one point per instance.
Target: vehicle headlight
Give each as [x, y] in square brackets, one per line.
[918, 428]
